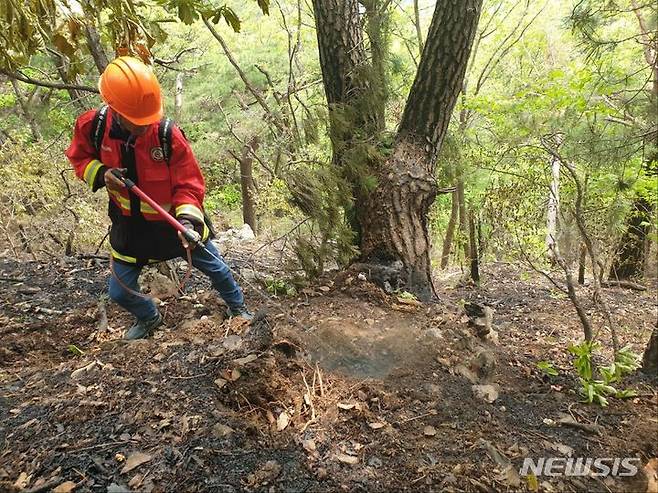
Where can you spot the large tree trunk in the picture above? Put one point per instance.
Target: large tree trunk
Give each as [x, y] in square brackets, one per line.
[394, 216]
[347, 77]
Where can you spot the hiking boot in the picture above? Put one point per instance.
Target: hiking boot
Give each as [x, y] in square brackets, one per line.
[143, 328]
[241, 312]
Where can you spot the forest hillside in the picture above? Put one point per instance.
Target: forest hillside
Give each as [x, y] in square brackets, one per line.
[442, 215]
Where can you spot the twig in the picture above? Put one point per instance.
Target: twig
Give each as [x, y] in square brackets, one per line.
[416, 417]
[190, 377]
[624, 284]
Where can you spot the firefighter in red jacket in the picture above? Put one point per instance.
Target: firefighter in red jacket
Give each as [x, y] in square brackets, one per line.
[130, 134]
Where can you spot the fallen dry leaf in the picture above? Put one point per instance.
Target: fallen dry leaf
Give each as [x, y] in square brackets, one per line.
[349, 406]
[135, 460]
[231, 374]
[220, 430]
[22, 481]
[309, 445]
[247, 359]
[135, 481]
[488, 393]
[282, 421]
[429, 431]
[66, 487]
[377, 425]
[268, 472]
[220, 382]
[651, 473]
[81, 371]
[347, 459]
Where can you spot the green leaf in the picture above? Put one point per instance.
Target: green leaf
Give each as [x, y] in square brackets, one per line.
[264, 6]
[626, 394]
[231, 18]
[75, 350]
[547, 368]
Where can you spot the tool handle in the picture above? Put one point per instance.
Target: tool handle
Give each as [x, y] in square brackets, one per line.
[189, 234]
[126, 181]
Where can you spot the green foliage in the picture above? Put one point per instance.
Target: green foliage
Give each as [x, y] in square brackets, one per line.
[280, 287]
[597, 390]
[323, 197]
[227, 197]
[547, 368]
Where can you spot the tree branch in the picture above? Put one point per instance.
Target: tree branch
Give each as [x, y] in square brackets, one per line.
[250, 87]
[54, 85]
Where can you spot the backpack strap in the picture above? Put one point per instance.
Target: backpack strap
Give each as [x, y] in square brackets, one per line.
[98, 128]
[164, 136]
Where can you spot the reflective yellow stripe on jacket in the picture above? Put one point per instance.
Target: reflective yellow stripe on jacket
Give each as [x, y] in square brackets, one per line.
[196, 213]
[143, 206]
[127, 258]
[89, 176]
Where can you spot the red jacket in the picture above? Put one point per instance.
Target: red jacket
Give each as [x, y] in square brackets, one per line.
[138, 233]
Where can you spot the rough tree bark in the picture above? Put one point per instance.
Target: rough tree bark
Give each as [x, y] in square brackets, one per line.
[345, 70]
[247, 184]
[394, 216]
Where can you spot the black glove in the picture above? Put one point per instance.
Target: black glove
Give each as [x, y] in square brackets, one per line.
[190, 223]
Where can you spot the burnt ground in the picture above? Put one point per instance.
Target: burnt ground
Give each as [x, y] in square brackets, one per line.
[361, 392]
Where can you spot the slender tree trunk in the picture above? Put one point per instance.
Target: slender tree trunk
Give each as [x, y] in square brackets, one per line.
[463, 216]
[419, 32]
[394, 216]
[27, 114]
[450, 231]
[582, 259]
[553, 207]
[247, 184]
[473, 249]
[178, 97]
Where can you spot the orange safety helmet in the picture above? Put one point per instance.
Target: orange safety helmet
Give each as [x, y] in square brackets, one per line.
[131, 89]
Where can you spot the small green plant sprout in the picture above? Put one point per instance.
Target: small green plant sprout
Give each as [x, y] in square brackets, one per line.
[75, 350]
[280, 287]
[547, 368]
[405, 295]
[598, 390]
